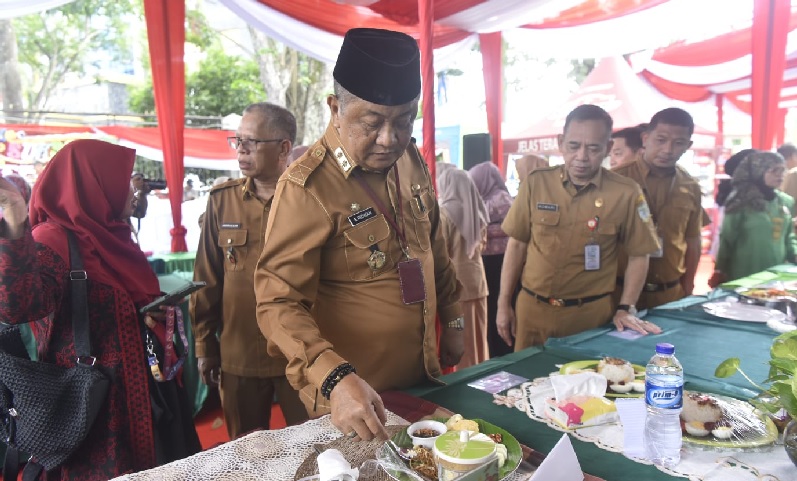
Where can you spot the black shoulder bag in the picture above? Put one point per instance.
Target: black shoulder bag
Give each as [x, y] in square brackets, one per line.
[47, 410]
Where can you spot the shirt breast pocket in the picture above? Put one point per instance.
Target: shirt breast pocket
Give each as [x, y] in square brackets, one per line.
[420, 204]
[362, 260]
[679, 215]
[232, 243]
[543, 230]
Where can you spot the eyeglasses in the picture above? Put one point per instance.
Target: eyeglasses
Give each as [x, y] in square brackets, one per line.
[248, 144]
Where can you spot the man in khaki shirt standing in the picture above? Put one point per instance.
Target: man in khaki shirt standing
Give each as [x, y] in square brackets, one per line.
[674, 199]
[230, 348]
[355, 267]
[565, 227]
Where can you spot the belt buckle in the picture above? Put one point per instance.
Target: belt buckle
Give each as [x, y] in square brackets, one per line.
[556, 302]
[650, 287]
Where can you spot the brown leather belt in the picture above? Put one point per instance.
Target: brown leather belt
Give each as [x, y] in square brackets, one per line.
[564, 302]
[652, 286]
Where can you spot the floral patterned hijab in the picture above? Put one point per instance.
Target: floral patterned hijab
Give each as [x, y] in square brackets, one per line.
[749, 189]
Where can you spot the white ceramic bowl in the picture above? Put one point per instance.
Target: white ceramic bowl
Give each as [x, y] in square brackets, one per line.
[428, 443]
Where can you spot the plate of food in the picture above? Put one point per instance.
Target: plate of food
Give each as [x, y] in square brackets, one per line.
[624, 379]
[743, 312]
[766, 293]
[718, 421]
[404, 462]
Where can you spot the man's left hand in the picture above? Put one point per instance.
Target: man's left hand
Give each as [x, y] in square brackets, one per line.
[452, 346]
[625, 320]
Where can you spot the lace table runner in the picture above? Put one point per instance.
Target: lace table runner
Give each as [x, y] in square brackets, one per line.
[260, 456]
[768, 464]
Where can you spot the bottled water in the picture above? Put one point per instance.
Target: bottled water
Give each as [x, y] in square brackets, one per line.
[664, 387]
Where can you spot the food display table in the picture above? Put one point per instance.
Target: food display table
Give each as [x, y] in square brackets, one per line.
[702, 341]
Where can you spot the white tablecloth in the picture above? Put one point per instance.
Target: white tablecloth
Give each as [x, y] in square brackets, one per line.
[261, 456]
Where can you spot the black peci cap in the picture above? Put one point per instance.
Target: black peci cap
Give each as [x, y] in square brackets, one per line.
[379, 66]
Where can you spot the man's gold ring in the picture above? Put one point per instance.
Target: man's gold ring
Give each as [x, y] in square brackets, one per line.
[352, 435]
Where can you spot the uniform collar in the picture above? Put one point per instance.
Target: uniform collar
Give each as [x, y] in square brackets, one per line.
[342, 160]
[645, 171]
[248, 191]
[596, 180]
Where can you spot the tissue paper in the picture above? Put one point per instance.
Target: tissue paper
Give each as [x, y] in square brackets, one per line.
[579, 401]
[332, 466]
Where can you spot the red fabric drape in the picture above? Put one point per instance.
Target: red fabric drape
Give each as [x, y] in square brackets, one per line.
[590, 11]
[682, 92]
[780, 127]
[770, 28]
[166, 35]
[491, 44]
[426, 29]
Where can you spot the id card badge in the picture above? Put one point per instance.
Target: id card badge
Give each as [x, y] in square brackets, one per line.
[660, 252]
[413, 287]
[592, 257]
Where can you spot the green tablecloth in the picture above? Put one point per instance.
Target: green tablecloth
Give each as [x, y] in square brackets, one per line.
[530, 363]
[702, 341]
[783, 272]
[179, 262]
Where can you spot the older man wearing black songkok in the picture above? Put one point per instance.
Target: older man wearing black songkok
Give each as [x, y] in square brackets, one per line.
[355, 268]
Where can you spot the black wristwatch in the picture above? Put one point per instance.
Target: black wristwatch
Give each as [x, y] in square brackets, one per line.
[629, 308]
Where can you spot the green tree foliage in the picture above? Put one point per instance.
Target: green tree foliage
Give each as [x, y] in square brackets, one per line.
[222, 84]
[63, 40]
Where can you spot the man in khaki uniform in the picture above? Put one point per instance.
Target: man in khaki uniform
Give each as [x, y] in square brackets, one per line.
[674, 199]
[565, 227]
[789, 153]
[229, 246]
[355, 267]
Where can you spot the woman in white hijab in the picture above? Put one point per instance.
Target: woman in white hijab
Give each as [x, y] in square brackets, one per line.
[464, 220]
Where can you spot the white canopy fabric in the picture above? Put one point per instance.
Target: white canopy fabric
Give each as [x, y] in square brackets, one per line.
[19, 8]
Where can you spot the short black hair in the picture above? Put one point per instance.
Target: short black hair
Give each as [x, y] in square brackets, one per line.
[278, 118]
[787, 150]
[589, 112]
[672, 116]
[632, 137]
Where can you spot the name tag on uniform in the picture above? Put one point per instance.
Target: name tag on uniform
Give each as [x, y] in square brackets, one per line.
[549, 207]
[230, 225]
[362, 216]
[592, 257]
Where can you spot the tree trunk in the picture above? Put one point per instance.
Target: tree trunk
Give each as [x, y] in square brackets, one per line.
[295, 81]
[10, 83]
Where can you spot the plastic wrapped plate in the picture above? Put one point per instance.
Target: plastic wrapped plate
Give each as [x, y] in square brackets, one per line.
[740, 425]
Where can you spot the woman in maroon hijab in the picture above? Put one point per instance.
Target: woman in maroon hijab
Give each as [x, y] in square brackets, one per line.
[86, 189]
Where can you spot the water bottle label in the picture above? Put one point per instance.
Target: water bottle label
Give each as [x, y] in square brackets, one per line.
[670, 397]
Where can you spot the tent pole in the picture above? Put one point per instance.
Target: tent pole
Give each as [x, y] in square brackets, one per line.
[426, 28]
[491, 47]
[769, 32]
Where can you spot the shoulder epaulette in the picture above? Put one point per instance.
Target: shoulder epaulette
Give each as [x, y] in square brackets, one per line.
[227, 185]
[301, 169]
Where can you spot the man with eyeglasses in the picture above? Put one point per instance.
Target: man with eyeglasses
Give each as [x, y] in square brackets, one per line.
[355, 267]
[230, 349]
[674, 198]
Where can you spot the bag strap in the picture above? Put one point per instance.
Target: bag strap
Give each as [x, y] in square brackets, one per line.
[80, 304]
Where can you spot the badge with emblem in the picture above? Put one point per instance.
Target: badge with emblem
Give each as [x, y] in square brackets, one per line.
[377, 259]
[343, 161]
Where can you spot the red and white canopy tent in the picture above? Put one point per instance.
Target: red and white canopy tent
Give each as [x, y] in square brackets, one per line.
[435, 24]
[25, 143]
[611, 85]
[755, 69]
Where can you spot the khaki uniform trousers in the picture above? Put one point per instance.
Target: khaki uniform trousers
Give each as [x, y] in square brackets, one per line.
[649, 300]
[246, 402]
[537, 320]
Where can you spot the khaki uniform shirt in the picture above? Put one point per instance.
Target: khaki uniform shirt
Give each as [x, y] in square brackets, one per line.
[320, 302]
[675, 207]
[229, 247]
[552, 217]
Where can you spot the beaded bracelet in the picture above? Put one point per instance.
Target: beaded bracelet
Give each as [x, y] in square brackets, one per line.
[335, 377]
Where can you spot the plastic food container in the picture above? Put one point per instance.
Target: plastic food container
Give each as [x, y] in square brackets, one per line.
[457, 454]
[428, 441]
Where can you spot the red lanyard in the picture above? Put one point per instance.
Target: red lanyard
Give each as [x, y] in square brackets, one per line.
[379, 205]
